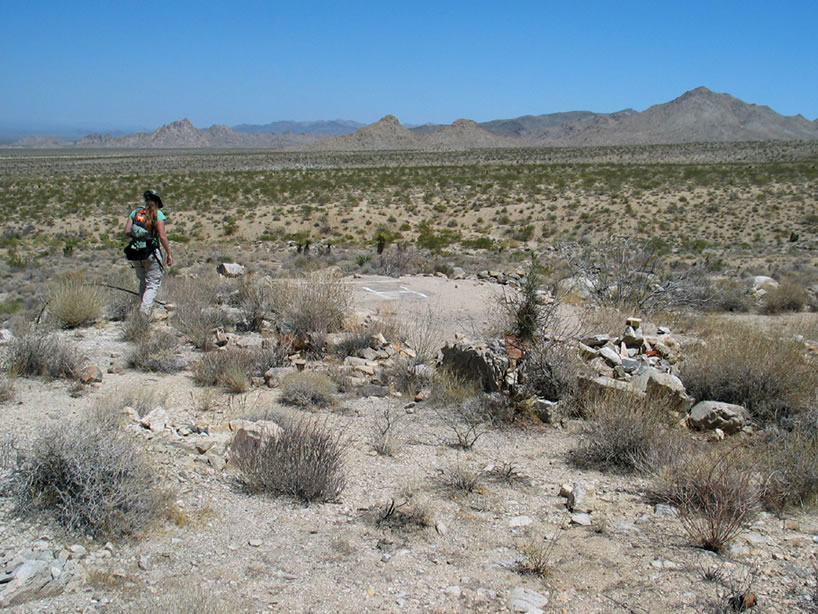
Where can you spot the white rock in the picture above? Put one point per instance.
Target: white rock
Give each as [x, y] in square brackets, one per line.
[527, 601]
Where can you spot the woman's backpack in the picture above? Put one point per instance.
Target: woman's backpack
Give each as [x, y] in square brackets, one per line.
[143, 241]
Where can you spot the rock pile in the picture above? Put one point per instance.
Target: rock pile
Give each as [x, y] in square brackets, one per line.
[38, 572]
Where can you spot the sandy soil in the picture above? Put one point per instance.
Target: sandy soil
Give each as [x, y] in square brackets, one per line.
[260, 554]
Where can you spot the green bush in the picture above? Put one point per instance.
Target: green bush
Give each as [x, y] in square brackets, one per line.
[305, 461]
[92, 477]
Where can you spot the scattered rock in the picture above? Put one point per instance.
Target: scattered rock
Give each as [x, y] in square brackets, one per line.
[527, 601]
[231, 269]
[708, 415]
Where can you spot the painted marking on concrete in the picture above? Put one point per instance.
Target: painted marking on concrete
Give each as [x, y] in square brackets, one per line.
[392, 295]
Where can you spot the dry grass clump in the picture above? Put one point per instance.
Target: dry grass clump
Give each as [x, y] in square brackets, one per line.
[730, 295]
[410, 514]
[136, 326]
[186, 599]
[119, 303]
[625, 432]
[91, 477]
[462, 479]
[788, 296]
[717, 493]
[156, 351]
[790, 459]
[305, 461]
[255, 298]
[45, 354]
[385, 437]
[197, 312]
[537, 557]
[6, 388]
[307, 389]
[767, 374]
[74, 303]
[316, 303]
[140, 398]
[233, 368]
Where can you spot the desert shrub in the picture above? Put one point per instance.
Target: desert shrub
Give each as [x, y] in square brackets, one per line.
[137, 326]
[6, 388]
[317, 303]
[537, 556]
[197, 312]
[790, 459]
[92, 477]
[74, 303]
[788, 296]
[766, 374]
[384, 436]
[255, 298]
[120, 303]
[47, 354]
[409, 376]
[523, 312]
[407, 515]
[550, 369]
[631, 274]
[305, 461]
[467, 413]
[423, 333]
[185, 599]
[156, 352]
[462, 479]
[625, 432]
[730, 295]
[233, 368]
[307, 389]
[717, 493]
[142, 399]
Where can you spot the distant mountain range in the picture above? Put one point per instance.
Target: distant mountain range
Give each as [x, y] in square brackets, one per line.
[699, 115]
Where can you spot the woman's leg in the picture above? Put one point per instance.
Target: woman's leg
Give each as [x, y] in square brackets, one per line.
[153, 279]
[140, 270]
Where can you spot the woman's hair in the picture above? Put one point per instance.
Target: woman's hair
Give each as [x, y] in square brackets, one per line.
[152, 207]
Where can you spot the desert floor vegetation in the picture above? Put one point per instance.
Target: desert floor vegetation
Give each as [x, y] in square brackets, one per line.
[374, 476]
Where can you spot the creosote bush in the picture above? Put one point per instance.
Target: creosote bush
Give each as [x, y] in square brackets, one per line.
[92, 477]
[75, 303]
[307, 389]
[769, 375]
[305, 461]
[46, 354]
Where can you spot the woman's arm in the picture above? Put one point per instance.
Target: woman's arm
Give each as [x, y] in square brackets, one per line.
[128, 225]
[163, 239]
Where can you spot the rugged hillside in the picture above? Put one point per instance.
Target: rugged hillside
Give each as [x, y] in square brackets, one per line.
[389, 134]
[183, 134]
[699, 115]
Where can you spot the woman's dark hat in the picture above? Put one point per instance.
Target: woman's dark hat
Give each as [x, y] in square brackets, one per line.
[152, 195]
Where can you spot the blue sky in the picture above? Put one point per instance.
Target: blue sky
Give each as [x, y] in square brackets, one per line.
[104, 65]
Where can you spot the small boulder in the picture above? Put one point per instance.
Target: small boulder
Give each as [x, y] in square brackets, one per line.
[711, 415]
[231, 269]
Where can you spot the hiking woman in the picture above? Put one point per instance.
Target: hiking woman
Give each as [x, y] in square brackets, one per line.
[146, 230]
